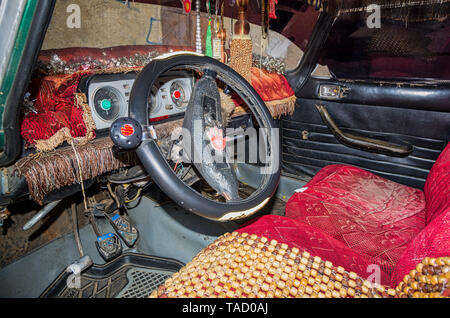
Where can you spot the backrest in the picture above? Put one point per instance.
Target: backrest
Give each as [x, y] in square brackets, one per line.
[437, 186]
[433, 241]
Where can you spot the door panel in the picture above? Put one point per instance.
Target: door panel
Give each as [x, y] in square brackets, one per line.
[308, 144]
[389, 84]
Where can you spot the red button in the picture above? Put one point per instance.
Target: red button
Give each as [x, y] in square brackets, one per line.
[177, 94]
[127, 130]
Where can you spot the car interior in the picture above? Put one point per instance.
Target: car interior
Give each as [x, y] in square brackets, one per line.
[225, 149]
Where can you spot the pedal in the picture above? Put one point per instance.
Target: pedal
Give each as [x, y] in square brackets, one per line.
[98, 210]
[109, 246]
[125, 229]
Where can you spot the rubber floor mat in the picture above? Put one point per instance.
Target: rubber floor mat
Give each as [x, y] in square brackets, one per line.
[128, 276]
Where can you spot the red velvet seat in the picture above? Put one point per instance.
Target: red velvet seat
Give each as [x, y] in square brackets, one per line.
[355, 218]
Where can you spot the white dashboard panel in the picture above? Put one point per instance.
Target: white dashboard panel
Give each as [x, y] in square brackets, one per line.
[100, 106]
[170, 96]
[108, 96]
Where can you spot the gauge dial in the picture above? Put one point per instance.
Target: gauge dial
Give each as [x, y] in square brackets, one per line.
[108, 102]
[178, 94]
[154, 103]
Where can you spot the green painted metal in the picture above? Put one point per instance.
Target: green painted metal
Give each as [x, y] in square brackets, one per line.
[14, 61]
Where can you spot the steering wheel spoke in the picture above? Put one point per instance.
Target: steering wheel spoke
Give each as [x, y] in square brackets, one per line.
[207, 147]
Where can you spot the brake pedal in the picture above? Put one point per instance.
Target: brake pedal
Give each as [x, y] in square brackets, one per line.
[124, 228]
[108, 246]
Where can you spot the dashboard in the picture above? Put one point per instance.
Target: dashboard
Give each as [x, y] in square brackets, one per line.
[108, 96]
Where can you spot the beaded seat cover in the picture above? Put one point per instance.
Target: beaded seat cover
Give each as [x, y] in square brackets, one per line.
[244, 265]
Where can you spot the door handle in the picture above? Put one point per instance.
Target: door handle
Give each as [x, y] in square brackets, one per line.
[332, 92]
[397, 149]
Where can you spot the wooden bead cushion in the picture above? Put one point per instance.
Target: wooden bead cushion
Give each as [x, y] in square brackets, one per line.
[430, 279]
[243, 265]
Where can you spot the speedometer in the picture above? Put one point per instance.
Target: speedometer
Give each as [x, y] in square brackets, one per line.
[177, 94]
[108, 102]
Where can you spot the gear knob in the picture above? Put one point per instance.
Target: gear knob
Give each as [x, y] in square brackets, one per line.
[126, 133]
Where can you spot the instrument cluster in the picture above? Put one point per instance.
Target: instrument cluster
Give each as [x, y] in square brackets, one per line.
[108, 96]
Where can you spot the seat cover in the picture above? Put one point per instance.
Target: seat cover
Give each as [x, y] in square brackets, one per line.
[372, 216]
[437, 186]
[354, 218]
[316, 242]
[434, 239]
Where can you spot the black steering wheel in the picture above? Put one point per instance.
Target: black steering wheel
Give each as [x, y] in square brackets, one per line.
[203, 114]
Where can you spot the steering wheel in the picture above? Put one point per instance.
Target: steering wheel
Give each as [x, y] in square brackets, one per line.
[203, 142]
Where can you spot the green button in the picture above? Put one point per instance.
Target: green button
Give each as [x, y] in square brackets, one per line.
[106, 104]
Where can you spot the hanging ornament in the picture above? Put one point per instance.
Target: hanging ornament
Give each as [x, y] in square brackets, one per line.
[216, 48]
[216, 41]
[241, 46]
[198, 34]
[222, 36]
[208, 43]
[272, 13]
[265, 8]
[186, 5]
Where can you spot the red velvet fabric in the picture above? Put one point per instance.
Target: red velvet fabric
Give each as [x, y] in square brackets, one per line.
[270, 86]
[55, 95]
[369, 214]
[54, 109]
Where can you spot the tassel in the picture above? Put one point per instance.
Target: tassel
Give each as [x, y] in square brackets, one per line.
[241, 46]
[241, 58]
[208, 44]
